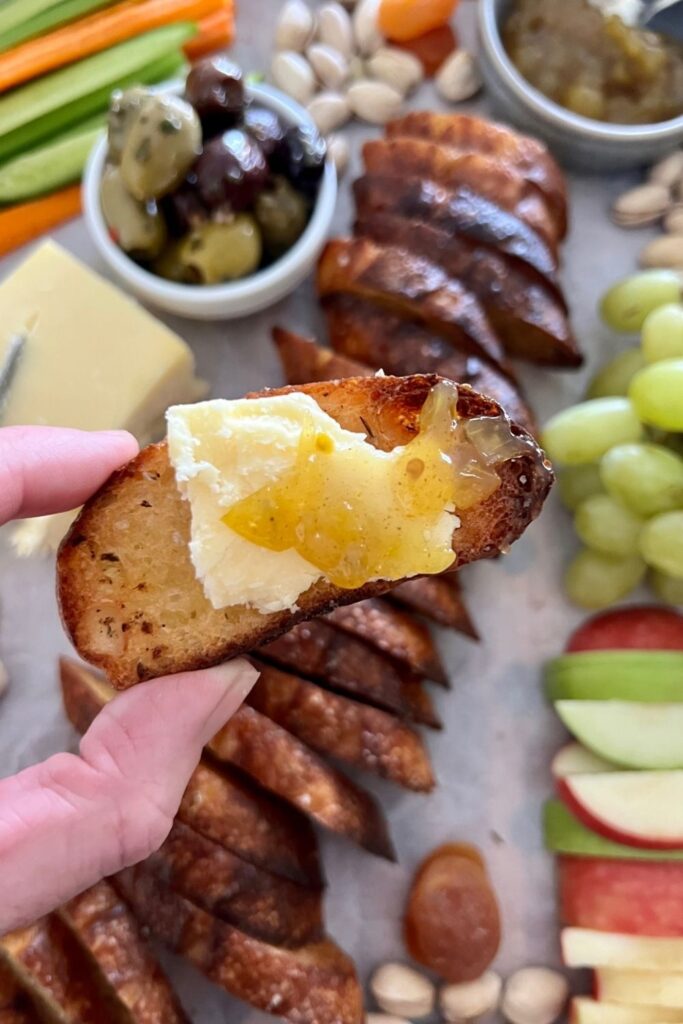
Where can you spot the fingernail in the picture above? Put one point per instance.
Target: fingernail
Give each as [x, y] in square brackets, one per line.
[238, 677]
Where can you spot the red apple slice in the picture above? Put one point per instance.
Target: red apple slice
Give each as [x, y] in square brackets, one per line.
[639, 988]
[642, 809]
[650, 628]
[631, 897]
[583, 947]
[573, 759]
[589, 1011]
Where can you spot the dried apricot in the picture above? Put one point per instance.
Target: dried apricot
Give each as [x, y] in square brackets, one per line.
[452, 921]
[433, 48]
[401, 20]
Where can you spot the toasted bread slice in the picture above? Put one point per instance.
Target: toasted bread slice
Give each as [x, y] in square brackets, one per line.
[217, 803]
[362, 330]
[344, 729]
[439, 599]
[265, 906]
[304, 362]
[460, 211]
[470, 134]
[316, 984]
[316, 650]
[523, 310]
[126, 562]
[21, 1013]
[499, 182]
[285, 766]
[398, 635]
[9, 988]
[411, 286]
[128, 974]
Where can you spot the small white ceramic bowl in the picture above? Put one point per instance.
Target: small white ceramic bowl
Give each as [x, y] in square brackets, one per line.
[222, 301]
[578, 141]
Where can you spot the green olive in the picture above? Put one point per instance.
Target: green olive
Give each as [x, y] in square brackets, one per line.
[138, 228]
[216, 252]
[282, 214]
[124, 107]
[170, 264]
[162, 143]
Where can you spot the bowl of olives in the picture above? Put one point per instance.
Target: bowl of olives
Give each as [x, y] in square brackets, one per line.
[211, 201]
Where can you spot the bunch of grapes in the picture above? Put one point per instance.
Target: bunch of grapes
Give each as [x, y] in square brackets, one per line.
[620, 453]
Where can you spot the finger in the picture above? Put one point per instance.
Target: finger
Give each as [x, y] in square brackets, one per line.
[71, 821]
[46, 469]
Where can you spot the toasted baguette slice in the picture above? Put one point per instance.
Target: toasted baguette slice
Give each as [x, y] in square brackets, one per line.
[9, 988]
[217, 803]
[470, 134]
[285, 766]
[125, 563]
[344, 729]
[439, 599]
[363, 330]
[316, 984]
[460, 211]
[265, 906]
[128, 973]
[524, 311]
[304, 362]
[496, 181]
[21, 1013]
[412, 286]
[317, 650]
[399, 635]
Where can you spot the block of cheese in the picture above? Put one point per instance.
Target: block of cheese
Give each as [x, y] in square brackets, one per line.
[93, 359]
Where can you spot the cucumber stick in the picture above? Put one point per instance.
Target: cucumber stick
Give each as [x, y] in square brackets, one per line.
[16, 12]
[54, 17]
[45, 107]
[52, 166]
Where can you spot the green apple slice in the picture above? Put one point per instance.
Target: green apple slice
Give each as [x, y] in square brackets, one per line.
[564, 833]
[573, 759]
[626, 733]
[643, 676]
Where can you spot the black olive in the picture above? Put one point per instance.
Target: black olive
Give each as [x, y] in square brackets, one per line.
[265, 126]
[183, 209]
[301, 159]
[231, 171]
[215, 89]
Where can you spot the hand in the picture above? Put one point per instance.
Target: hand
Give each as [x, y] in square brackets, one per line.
[72, 820]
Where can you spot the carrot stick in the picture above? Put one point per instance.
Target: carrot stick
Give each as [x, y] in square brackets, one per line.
[215, 33]
[21, 224]
[95, 33]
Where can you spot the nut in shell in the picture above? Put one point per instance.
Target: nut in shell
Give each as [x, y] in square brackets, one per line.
[366, 28]
[330, 66]
[673, 222]
[294, 75]
[374, 102]
[295, 26]
[471, 999]
[534, 995]
[339, 153]
[645, 204]
[402, 991]
[458, 78]
[335, 29]
[663, 252]
[399, 69]
[669, 170]
[329, 110]
[383, 1018]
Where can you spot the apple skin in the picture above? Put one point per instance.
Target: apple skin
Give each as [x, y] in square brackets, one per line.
[645, 628]
[631, 897]
[565, 834]
[572, 790]
[627, 734]
[589, 1011]
[639, 988]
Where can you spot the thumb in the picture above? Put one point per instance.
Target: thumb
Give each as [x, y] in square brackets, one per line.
[70, 821]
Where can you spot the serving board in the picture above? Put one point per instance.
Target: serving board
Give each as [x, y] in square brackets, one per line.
[492, 759]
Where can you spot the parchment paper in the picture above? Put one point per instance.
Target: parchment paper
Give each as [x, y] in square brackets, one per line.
[493, 757]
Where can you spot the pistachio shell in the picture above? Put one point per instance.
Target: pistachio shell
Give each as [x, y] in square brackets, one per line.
[401, 70]
[644, 204]
[471, 999]
[335, 29]
[673, 222]
[329, 110]
[294, 75]
[669, 170]
[375, 102]
[330, 66]
[366, 27]
[666, 251]
[458, 78]
[403, 991]
[294, 27]
[339, 153]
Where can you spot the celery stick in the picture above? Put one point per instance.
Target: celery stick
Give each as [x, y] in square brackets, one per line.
[16, 12]
[44, 128]
[62, 14]
[49, 167]
[48, 94]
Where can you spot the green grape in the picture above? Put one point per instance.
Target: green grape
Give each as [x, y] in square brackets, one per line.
[627, 303]
[604, 525]
[583, 433]
[596, 581]
[662, 336]
[661, 543]
[657, 394]
[647, 478]
[576, 483]
[615, 376]
[667, 588]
